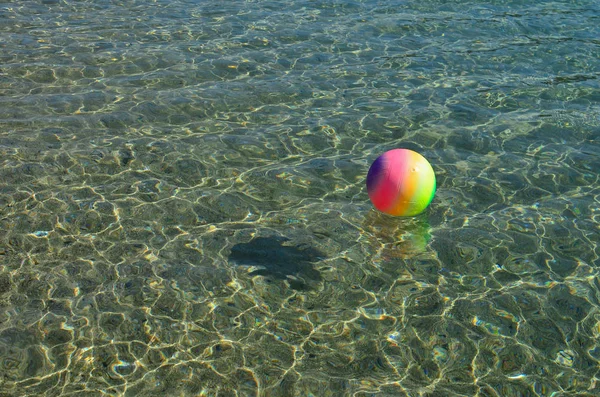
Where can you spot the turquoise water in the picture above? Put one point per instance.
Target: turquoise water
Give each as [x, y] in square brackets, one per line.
[183, 207]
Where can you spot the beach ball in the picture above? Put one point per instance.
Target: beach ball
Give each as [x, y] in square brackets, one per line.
[401, 182]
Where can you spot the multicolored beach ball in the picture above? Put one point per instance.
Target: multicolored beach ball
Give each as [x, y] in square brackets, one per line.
[401, 182]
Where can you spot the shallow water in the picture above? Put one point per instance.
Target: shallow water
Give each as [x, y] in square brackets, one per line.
[183, 207]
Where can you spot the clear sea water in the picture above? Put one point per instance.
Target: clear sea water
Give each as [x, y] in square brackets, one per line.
[183, 209]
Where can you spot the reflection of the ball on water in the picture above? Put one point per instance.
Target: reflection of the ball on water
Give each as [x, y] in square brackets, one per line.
[396, 237]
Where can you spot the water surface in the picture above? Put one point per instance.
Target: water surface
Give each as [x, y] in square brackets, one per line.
[183, 207]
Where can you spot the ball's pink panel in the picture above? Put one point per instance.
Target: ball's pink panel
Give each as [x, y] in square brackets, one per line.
[391, 173]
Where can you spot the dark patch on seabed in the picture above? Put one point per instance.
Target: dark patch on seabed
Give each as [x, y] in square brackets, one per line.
[279, 260]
